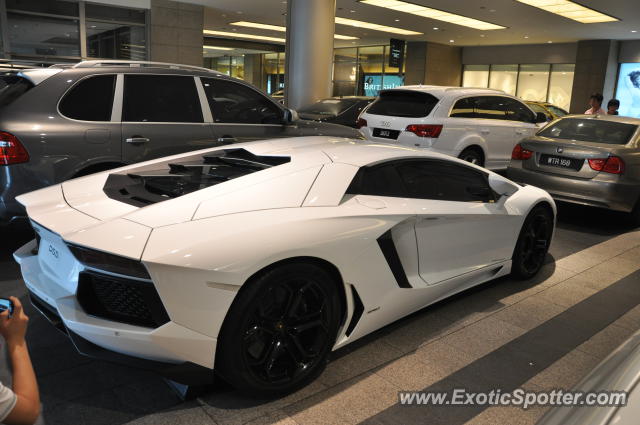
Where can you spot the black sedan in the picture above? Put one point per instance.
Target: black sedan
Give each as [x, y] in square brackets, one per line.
[338, 110]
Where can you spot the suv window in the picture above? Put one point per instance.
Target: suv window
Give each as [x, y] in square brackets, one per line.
[490, 107]
[90, 100]
[161, 98]
[517, 111]
[231, 102]
[443, 181]
[403, 103]
[12, 87]
[464, 108]
[379, 180]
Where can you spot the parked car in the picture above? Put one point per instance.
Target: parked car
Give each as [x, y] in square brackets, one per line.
[551, 111]
[258, 259]
[342, 110]
[278, 96]
[63, 122]
[478, 125]
[616, 380]
[584, 159]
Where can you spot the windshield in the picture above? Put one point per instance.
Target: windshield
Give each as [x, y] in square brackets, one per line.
[403, 103]
[329, 107]
[559, 112]
[12, 87]
[590, 130]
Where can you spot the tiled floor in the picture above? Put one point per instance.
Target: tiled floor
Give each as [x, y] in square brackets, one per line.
[541, 334]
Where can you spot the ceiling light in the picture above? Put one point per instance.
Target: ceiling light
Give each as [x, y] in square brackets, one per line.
[218, 48]
[281, 29]
[436, 28]
[571, 10]
[634, 31]
[526, 36]
[451, 41]
[427, 12]
[240, 35]
[371, 26]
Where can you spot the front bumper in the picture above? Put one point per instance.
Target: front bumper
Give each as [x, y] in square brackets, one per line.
[613, 195]
[171, 350]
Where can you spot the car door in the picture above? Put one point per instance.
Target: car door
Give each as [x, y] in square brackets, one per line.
[460, 228]
[522, 121]
[497, 132]
[242, 114]
[162, 115]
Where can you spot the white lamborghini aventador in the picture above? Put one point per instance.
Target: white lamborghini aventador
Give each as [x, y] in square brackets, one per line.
[258, 259]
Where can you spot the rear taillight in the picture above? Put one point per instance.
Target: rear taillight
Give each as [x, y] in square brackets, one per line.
[425, 130]
[521, 154]
[613, 164]
[11, 150]
[361, 123]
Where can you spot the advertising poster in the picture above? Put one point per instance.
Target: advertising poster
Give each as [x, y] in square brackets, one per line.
[373, 83]
[628, 90]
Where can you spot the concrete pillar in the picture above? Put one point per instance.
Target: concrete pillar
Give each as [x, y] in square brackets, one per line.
[433, 63]
[309, 51]
[596, 69]
[176, 32]
[253, 69]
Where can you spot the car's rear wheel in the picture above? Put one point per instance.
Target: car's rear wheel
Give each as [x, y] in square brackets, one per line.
[472, 155]
[533, 243]
[279, 330]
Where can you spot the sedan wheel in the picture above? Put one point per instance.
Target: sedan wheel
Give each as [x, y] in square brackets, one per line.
[279, 331]
[533, 243]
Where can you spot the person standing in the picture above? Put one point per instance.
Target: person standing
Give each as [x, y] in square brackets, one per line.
[595, 103]
[612, 107]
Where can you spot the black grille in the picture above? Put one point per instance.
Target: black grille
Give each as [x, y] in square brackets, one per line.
[122, 300]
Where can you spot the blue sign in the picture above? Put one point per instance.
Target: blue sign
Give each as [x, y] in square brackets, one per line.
[373, 83]
[628, 90]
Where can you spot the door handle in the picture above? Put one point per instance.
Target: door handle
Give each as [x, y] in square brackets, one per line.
[227, 139]
[520, 132]
[136, 140]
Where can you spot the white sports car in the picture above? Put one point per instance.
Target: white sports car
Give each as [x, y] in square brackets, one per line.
[258, 259]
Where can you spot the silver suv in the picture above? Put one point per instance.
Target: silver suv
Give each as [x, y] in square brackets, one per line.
[67, 121]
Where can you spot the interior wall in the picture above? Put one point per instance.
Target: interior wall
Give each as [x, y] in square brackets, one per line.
[524, 54]
[176, 32]
[629, 51]
[596, 68]
[443, 66]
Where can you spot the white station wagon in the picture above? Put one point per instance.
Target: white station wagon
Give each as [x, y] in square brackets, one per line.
[478, 125]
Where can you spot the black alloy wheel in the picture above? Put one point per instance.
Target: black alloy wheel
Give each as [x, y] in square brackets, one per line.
[533, 243]
[280, 330]
[473, 156]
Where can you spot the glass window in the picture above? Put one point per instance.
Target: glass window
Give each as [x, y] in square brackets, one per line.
[231, 102]
[109, 13]
[464, 108]
[370, 70]
[344, 71]
[561, 84]
[401, 103]
[237, 67]
[559, 112]
[444, 181]
[12, 87]
[490, 107]
[475, 76]
[68, 8]
[533, 82]
[504, 77]
[540, 109]
[160, 98]
[590, 130]
[90, 100]
[274, 70]
[116, 41]
[516, 111]
[381, 180]
[43, 36]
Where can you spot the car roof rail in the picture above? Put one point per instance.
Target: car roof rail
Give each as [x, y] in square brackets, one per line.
[474, 88]
[142, 64]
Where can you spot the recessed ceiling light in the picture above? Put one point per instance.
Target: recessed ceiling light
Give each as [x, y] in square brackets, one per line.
[549, 41]
[352, 11]
[571, 10]
[526, 36]
[240, 35]
[397, 20]
[372, 26]
[634, 31]
[427, 12]
[436, 28]
[281, 29]
[218, 48]
[482, 35]
[451, 41]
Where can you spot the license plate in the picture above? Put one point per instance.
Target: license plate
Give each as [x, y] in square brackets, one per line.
[51, 253]
[386, 133]
[561, 162]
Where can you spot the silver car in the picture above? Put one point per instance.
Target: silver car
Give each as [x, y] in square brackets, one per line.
[584, 159]
[67, 121]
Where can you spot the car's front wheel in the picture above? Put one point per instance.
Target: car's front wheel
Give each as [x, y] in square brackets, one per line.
[533, 243]
[280, 330]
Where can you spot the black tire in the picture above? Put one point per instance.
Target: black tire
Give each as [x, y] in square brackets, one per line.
[472, 155]
[279, 331]
[533, 243]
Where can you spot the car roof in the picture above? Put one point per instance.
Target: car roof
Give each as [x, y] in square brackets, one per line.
[442, 90]
[612, 118]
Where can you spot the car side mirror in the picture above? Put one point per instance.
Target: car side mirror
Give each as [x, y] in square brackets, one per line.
[540, 117]
[502, 186]
[290, 115]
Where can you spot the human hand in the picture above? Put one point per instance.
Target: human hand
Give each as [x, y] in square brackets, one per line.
[14, 328]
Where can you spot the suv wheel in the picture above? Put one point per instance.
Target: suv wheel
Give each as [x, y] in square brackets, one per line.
[472, 155]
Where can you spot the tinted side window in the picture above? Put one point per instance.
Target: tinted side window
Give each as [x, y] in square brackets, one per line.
[444, 181]
[380, 180]
[403, 103]
[160, 98]
[235, 103]
[490, 107]
[464, 108]
[90, 100]
[516, 111]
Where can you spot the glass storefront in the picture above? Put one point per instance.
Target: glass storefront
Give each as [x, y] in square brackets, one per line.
[364, 71]
[537, 82]
[114, 32]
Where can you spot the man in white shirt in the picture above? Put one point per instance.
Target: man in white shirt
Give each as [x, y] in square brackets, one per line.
[595, 101]
[19, 405]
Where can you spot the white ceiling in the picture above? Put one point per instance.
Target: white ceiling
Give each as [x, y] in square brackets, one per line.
[521, 21]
